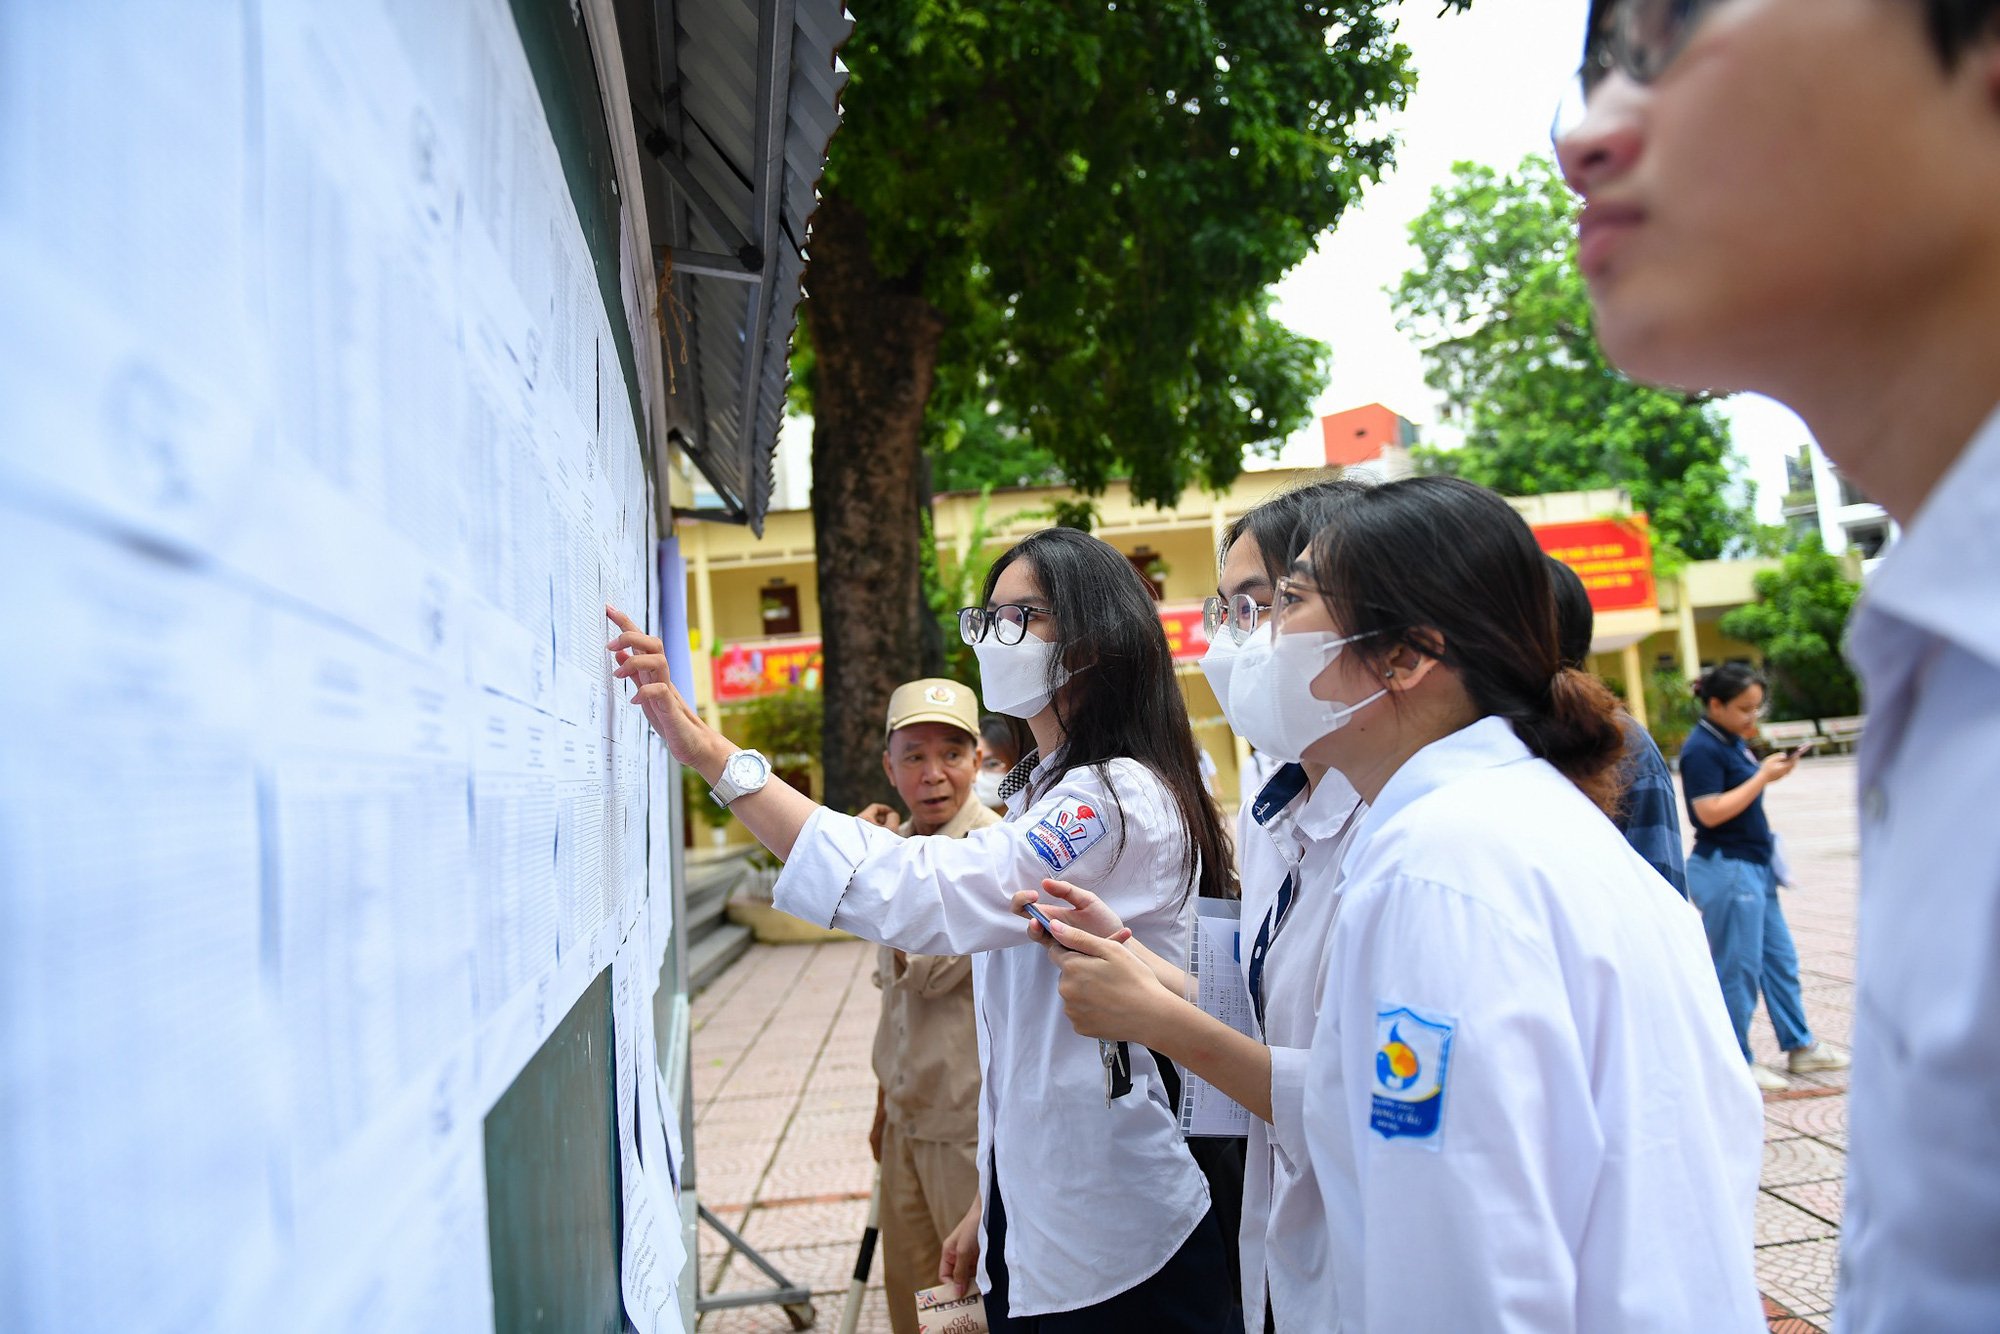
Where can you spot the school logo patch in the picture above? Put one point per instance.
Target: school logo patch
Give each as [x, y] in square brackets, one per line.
[1412, 1063]
[1065, 834]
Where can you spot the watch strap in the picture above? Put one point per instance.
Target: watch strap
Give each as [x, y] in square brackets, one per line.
[726, 791]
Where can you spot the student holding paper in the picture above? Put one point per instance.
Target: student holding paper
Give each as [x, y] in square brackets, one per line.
[1093, 1215]
[1290, 838]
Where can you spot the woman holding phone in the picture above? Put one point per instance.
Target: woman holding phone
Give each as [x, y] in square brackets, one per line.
[1092, 1214]
[1731, 876]
[1523, 1106]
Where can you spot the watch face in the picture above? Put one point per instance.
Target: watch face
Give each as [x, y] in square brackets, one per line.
[744, 769]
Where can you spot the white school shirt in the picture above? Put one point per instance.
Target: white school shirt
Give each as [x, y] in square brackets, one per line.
[1920, 1241]
[1283, 1239]
[1525, 1107]
[1098, 1198]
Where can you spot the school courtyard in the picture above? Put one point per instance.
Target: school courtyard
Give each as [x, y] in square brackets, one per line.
[784, 1096]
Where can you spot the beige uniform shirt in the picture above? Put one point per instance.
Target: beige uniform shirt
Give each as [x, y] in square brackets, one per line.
[926, 1047]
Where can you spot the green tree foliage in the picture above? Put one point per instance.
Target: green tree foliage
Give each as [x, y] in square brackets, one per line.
[1095, 198]
[973, 446]
[1671, 709]
[1797, 623]
[1072, 212]
[785, 725]
[948, 588]
[1504, 320]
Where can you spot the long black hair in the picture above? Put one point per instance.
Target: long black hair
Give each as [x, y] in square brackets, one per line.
[1121, 700]
[1448, 569]
[1576, 619]
[1282, 524]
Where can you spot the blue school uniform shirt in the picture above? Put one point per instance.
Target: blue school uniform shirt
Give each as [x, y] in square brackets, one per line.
[1646, 815]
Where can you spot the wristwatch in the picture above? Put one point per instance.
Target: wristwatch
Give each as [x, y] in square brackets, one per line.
[742, 773]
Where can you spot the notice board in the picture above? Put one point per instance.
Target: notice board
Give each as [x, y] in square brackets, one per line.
[338, 948]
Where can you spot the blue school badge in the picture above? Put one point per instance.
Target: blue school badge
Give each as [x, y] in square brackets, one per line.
[1412, 1060]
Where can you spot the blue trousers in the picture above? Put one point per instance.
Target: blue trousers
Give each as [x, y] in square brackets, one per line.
[1751, 945]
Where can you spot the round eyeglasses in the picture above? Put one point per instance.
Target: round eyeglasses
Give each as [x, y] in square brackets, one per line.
[1637, 38]
[1008, 622]
[1239, 614]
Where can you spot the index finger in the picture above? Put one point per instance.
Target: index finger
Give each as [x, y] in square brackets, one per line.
[1080, 941]
[1074, 895]
[634, 639]
[618, 618]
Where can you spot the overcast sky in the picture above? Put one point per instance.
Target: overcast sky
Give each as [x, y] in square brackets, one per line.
[1487, 86]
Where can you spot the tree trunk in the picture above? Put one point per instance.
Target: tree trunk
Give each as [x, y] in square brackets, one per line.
[875, 344]
[930, 635]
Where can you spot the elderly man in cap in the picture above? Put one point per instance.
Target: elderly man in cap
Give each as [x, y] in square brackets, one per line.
[926, 1131]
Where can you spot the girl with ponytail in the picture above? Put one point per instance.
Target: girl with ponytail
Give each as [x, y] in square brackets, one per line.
[1524, 1104]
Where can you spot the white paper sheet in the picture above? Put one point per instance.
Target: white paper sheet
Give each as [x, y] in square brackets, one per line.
[653, 1254]
[1218, 981]
[513, 848]
[420, 1263]
[318, 809]
[140, 1068]
[128, 381]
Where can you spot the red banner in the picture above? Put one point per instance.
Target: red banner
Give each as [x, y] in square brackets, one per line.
[744, 671]
[1187, 639]
[1613, 557]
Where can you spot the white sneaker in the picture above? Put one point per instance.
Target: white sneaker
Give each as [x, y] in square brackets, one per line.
[1768, 1079]
[1819, 1056]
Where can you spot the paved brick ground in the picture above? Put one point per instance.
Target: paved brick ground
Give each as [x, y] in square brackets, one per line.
[1805, 1128]
[784, 1096]
[783, 1100]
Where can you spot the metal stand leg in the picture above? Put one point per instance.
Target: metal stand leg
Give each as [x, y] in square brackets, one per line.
[795, 1300]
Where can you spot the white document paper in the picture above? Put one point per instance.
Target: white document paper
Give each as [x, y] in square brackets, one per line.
[649, 1270]
[318, 806]
[1217, 976]
[140, 1102]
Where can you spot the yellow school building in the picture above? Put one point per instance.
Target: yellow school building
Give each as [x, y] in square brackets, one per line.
[753, 605]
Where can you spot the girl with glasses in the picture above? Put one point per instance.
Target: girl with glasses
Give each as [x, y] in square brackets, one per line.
[1093, 1216]
[1522, 1104]
[1290, 836]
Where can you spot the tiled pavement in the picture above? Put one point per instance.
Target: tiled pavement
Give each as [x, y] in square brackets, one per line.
[783, 1100]
[784, 1095]
[1805, 1128]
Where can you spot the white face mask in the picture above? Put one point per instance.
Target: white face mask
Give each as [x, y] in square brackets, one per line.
[1218, 665]
[1271, 703]
[1014, 678]
[986, 787]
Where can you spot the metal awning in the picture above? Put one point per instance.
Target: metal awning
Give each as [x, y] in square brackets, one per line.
[733, 102]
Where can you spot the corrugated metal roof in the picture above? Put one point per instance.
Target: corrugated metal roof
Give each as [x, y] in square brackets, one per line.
[734, 101]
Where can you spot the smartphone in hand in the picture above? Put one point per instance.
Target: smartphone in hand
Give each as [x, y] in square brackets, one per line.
[1804, 750]
[1042, 917]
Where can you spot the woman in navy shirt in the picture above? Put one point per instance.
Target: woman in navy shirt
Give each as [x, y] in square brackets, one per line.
[1730, 876]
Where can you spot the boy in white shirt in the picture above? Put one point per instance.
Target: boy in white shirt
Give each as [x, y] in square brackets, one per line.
[1802, 198]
